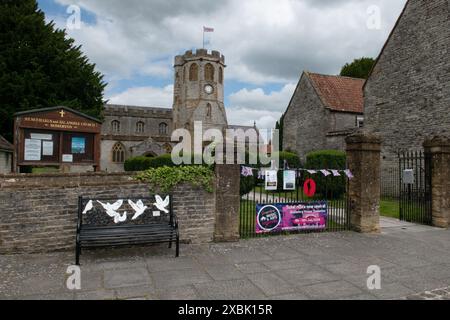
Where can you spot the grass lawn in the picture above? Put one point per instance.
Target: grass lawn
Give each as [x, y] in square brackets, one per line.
[390, 208]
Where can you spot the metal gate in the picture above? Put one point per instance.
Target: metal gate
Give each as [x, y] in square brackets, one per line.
[331, 189]
[415, 187]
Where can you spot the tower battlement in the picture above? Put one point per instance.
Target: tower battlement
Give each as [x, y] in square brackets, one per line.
[199, 54]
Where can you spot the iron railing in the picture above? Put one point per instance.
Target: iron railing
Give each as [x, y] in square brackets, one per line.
[333, 190]
[415, 198]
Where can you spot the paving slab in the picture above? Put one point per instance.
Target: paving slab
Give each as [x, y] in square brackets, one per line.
[126, 278]
[230, 290]
[331, 290]
[179, 278]
[414, 264]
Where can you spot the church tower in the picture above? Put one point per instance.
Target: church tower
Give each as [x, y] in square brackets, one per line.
[199, 90]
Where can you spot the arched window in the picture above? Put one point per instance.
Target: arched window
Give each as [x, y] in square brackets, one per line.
[118, 153]
[115, 126]
[193, 72]
[208, 110]
[140, 127]
[209, 72]
[162, 129]
[221, 75]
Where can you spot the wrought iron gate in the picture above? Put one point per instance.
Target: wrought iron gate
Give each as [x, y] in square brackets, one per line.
[415, 187]
[333, 190]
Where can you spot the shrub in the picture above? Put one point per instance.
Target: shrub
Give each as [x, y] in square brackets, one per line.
[164, 160]
[166, 178]
[330, 187]
[137, 164]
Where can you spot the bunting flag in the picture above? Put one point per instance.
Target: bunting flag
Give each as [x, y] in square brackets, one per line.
[326, 173]
[348, 173]
[247, 172]
[208, 29]
[336, 173]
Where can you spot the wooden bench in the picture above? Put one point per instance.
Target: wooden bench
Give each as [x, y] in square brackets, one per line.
[125, 222]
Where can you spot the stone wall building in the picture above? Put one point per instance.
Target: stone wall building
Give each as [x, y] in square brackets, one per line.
[130, 131]
[322, 112]
[407, 96]
[6, 155]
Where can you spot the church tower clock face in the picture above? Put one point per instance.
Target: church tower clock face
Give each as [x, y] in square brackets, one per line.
[209, 89]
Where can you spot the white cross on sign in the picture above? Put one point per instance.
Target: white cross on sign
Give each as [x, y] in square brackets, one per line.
[62, 113]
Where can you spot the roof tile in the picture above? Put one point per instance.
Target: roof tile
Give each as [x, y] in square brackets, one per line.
[339, 93]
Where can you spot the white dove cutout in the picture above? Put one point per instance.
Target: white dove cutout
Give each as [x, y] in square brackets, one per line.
[118, 218]
[88, 207]
[160, 204]
[111, 210]
[138, 207]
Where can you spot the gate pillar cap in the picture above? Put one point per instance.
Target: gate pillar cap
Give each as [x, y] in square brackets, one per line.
[437, 141]
[363, 137]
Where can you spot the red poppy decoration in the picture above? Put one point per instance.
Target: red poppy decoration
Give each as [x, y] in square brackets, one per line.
[309, 188]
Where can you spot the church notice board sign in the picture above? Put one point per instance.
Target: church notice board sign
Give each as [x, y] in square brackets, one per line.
[56, 136]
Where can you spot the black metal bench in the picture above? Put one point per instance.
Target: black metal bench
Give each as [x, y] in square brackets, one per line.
[123, 222]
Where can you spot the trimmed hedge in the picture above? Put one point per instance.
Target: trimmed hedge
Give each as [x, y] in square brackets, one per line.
[329, 187]
[145, 163]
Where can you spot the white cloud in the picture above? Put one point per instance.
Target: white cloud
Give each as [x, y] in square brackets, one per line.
[264, 41]
[145, 96]
[257, 99]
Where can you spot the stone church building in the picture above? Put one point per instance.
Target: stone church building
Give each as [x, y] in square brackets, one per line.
[130, 131]
[407, 96]
[322, 112]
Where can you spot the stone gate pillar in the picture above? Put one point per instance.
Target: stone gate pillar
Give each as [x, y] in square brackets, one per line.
[364, 160]
[227, 202]
[438, 151]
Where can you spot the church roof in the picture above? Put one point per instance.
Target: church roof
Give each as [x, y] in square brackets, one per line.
[5, 145]
[338, 93]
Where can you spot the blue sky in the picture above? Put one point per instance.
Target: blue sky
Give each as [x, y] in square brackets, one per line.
[267, 44]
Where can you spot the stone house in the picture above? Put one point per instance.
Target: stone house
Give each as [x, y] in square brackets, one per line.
[6, 156]
[407, 95]
[322, 112]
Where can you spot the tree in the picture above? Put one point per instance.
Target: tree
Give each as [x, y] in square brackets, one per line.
[280, 126]
[41, 67]
[359, 68]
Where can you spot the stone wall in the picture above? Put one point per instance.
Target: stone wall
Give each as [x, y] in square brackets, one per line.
[39, 212]
[407, 97]
[309, 126]
[5, 162]
[304, 126]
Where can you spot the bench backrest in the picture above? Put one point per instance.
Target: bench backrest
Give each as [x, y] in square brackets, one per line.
[102, 212]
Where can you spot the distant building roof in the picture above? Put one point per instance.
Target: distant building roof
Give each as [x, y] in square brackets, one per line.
[5, 145]
[339, 93]
[117, 107]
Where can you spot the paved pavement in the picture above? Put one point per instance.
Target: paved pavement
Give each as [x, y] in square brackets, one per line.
[414, 262]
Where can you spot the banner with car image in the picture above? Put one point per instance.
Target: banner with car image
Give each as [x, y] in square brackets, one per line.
[298, 216]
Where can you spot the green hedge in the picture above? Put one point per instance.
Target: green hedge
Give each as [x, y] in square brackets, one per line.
[330, 187]
[167, 178]
[144, 163]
